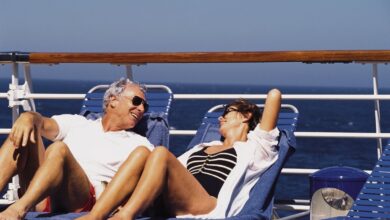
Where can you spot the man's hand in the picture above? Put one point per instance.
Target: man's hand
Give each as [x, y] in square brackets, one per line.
[25, 128]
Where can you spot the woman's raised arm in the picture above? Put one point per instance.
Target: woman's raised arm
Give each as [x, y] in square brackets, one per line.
[271, 110]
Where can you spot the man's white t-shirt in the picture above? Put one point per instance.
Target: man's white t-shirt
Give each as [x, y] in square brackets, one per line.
[99, 153]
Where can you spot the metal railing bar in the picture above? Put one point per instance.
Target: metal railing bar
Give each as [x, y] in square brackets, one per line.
[222, 96]
[310, 134]
[303, 171]
[5, 130]
[295, 216]
[292, 207]
[341, 135]
[297, 134]
[293, 201]
[285, 97]
[300, 171]
[48, 96]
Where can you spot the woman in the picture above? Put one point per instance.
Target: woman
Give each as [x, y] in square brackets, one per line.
[211, 180]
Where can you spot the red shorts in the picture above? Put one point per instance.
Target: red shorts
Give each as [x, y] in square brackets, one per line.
[87, 206]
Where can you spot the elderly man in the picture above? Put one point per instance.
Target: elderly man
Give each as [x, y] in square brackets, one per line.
[84, 153]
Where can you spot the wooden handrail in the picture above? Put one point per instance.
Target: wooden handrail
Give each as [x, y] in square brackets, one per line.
[315, 56]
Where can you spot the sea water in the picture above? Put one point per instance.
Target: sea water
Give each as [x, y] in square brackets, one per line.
[315, 153]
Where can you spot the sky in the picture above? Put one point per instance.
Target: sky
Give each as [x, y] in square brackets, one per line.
[196, 25]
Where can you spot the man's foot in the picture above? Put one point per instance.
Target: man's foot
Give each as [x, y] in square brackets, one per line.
[12, 213]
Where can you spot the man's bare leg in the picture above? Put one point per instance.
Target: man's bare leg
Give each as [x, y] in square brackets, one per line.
[163, 173]
[59, 175]
[121, 186]
[23, 161]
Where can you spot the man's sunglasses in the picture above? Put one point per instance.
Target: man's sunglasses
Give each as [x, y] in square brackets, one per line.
[136, 101]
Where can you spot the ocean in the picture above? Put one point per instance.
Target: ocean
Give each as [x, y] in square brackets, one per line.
[316, 153]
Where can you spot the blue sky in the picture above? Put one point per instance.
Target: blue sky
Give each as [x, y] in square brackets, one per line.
[213, 25]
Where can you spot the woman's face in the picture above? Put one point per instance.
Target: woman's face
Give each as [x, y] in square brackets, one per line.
[230, 119]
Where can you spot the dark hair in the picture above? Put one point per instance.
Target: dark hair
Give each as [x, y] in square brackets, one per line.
[248, 109]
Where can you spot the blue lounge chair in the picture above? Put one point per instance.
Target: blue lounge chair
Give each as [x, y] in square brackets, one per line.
[154, 124]
[260, 203]
[373, 201]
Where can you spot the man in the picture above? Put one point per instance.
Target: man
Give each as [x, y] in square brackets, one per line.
[84, 153]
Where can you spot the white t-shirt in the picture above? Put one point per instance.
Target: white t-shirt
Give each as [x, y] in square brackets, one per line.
[99, 153]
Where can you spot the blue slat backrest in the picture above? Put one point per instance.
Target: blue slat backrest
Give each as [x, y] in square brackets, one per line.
[373, 200]
[159, 98]
[288, 116]
[287, 120]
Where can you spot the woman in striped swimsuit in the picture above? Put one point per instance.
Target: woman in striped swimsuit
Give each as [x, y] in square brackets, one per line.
[212, 180]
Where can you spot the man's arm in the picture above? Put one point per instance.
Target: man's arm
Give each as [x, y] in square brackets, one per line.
[30, 124]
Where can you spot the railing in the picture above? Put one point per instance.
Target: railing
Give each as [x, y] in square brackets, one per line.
[21, 95]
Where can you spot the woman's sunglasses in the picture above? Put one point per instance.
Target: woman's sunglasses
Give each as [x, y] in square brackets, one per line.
[229, 109]
[136, 101]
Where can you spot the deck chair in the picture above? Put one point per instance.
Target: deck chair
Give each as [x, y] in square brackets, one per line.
[154, 124]
[373, 201]
[260, 203]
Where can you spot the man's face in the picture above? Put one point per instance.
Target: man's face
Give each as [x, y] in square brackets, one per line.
[129, 106]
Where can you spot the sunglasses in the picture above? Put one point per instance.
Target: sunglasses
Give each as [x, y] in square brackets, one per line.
[229, 109]
[136, 101]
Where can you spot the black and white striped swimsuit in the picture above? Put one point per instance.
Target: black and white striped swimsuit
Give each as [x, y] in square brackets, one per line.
[211, 170]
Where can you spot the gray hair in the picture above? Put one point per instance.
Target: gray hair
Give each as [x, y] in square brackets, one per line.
[116, 89]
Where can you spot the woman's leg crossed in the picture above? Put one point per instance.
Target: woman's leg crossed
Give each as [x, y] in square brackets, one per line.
[121, 186]
[182, 193]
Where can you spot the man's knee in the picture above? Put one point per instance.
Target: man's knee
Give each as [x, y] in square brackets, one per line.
[58, 148]
[18, 155]
[8, 146]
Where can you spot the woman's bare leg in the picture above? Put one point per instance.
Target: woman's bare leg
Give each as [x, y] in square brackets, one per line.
[164, 173]
[121, 186]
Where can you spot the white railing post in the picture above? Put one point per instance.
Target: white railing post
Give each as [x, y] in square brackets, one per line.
[129, 72]
[13, 87]
[12, 193]
[377, 107]
[129, 69]
[28, 104]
